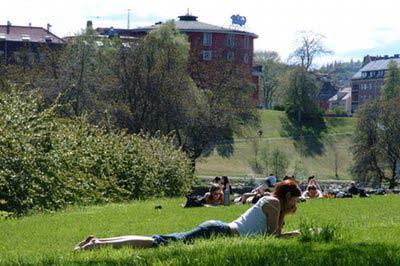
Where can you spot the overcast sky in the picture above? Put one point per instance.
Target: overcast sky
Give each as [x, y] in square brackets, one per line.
[353, 28]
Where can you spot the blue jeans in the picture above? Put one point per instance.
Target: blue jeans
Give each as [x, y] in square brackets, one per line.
[204, 230]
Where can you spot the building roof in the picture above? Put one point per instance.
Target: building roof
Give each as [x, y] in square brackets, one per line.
[31, 34]
[342, 94]
[187, 23]
[376, 65]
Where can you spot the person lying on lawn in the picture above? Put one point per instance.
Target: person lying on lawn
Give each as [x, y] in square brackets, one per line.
[215, 196]
[265, 217]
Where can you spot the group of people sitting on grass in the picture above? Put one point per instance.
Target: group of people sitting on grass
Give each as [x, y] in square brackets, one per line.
[220, 191]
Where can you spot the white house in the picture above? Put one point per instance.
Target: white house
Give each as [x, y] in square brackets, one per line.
[341, 99]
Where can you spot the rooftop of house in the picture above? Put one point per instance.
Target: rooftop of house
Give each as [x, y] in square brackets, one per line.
[342, 94]
[186, 23]
[376, 63]
[27, 33]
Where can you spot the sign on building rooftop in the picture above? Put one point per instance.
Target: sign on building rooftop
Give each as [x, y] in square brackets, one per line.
[238, 20]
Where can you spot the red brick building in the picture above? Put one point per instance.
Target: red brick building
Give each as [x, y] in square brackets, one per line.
[212, 42]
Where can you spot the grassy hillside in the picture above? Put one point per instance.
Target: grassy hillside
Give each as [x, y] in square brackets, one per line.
[320, 162]
[363, 235]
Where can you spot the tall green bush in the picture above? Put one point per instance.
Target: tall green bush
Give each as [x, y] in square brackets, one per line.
[47, 162]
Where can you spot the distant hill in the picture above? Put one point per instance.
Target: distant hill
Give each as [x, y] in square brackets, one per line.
[335, 148]
[341, 72]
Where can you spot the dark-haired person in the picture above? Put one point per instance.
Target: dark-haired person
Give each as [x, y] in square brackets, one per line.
[265, 217]
[226, 184]
[313, 181]
[214, 196]
[312, 192]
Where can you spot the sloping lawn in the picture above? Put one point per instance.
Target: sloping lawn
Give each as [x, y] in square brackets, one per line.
[332, 150]
[366, 233]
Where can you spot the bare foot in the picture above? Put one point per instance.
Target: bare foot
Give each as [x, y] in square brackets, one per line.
[81, 245]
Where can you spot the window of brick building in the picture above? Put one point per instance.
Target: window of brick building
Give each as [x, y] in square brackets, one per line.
[207, 38]
[246, 58]
[207, 55]
[246, 43]
[230, 56]
[230, 40]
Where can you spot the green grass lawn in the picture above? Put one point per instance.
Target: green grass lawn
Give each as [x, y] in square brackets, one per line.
[367, 234]
[334, 144]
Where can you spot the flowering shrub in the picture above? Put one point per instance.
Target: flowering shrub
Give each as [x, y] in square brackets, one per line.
[47, 163]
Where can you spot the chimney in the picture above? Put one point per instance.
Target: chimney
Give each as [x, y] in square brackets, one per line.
[48, 27]
[30, 24]
[8, 27]
[366, 60]
[89, 24]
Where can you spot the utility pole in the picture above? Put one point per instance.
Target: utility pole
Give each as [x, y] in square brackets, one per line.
[129, 11]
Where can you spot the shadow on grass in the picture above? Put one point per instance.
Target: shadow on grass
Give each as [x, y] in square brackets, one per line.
[307, 137]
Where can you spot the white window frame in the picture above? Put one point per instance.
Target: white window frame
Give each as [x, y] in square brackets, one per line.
[246, 58]
[230, 40]
[207, 55]
[207, 38]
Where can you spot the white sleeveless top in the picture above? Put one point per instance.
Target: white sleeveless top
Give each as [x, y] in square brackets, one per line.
[254, 220]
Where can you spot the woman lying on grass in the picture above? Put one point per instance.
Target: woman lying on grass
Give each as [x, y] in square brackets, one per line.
[265, 217]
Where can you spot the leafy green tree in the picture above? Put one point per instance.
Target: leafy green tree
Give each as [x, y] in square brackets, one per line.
[84, 74]
[275, 161]
[273, 71]
[366, 144]
[154, 81]
[376, 146]
[279, 162]
[301, 99]
[389, 141]
[226, 106]
[202, 108]
[391, 87]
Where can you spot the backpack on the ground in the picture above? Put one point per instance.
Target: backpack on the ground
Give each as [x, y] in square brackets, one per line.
[193, 201]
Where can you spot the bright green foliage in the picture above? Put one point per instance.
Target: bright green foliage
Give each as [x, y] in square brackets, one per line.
[301, 99]
[273, 72]
[365, 148]
[358, 231]
[274, 161]
[376, 146]
[391, 87]
[47, 163]
[154, 82]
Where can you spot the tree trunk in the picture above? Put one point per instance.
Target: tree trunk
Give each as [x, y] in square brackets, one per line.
[392, 183]
[193, 164]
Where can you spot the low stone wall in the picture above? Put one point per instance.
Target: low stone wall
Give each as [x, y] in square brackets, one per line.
[243, 185]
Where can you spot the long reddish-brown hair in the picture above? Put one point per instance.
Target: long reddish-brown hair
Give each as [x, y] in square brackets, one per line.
[288, 185]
